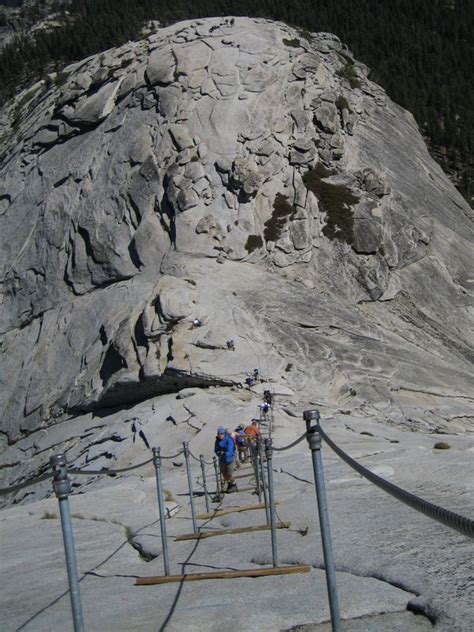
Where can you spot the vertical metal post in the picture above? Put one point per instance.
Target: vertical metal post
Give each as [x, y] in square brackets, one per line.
[268, 454]
[190, 485]
[314, 441]
[254, 453]
[262, 475]
[204, 483]
[62, 488]
[161, 507]
[218, 479]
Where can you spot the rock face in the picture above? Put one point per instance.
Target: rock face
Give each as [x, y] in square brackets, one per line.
[236, 141]
[224, 170]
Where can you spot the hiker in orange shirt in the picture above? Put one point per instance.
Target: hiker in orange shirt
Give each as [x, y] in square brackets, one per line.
[252, 430]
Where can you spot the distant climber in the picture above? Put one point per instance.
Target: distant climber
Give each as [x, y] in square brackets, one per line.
[267, 397]
[224, 450]
[249, 381]
[264, 408]
[196, 323]
[230, 344]
[256, 375]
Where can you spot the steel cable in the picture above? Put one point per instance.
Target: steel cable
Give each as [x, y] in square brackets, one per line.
[290, 445]
[199, 460]
[33, 481]
[449, 518]
[173, 456]
[106, 471]
[81, 472]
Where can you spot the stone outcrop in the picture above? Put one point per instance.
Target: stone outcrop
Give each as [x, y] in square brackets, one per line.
[227, 141]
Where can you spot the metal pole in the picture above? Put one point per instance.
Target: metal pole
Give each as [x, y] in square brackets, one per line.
[264, 486]
[190, 485]
[254, 453]
[62, 488]
[218, 479]
[204, 483]
[268, 453]
[161, 507]
[314, 441]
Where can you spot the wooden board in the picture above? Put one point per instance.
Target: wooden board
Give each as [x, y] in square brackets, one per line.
[253, 572]
[212, 534]
[228, 510]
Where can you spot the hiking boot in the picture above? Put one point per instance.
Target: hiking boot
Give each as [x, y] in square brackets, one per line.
[231, 487]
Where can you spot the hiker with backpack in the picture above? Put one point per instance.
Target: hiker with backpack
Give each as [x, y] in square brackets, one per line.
[224, 449]
[241, 441]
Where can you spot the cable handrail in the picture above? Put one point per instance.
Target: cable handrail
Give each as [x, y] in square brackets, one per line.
[199, 460]
[290, 445]
[435, 512]
[24, 485]
[81, 472]
[107, 471]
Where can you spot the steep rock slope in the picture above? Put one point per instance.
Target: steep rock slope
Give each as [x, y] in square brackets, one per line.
[251, 176]
[226, 169]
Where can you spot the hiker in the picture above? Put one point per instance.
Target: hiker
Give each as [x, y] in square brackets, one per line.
[230, 344]
[241, 442]
[267, 397]
[256, 374]
[233, 436]
[196, 323]
[249, 381]
[264, 408]
[224, 449]
[252, 431]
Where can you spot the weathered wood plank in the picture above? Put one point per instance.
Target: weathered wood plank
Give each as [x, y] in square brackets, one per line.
[212, 534]
[252, 572]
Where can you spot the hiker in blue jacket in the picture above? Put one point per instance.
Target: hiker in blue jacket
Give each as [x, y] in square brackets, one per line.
[225, 449]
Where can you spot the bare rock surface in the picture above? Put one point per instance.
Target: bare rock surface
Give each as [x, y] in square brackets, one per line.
[224, 170]
[391, 561]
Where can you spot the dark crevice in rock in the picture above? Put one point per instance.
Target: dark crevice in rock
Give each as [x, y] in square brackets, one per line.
[134, 256]
[303, 480]
[112, 363]
[169, 355]
[419, 606]
[95, 574]
[135, 221]
[145, 555]
[125, 396]
[106, 455]
[103, 335]
[166, 212]
[116, 438]
[141, 339]
[341, 568]
[84, 233]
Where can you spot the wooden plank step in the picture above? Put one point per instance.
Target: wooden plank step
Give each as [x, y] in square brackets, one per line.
[251, 572]
[211, 534]
[228, 510]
